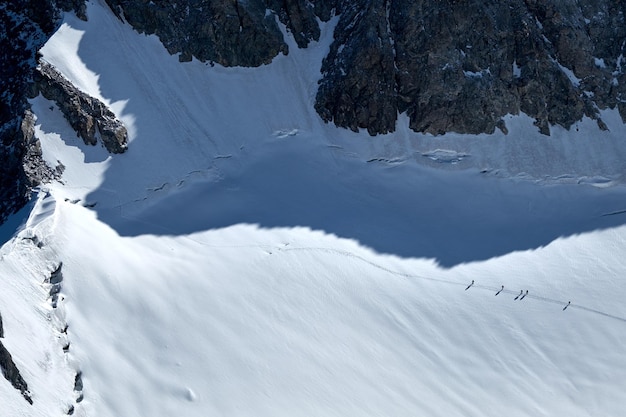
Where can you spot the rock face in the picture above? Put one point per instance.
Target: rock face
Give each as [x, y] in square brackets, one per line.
[358, 89]
[35, 168]
[12, 374]
[76, 6]
[24, 27]
[460, 66]
[10, 371]
[88, 116]
[229, 32]
[450, 65]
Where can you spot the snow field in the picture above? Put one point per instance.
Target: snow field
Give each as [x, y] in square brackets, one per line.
[309, 324]
[33, 330]
[243, 258]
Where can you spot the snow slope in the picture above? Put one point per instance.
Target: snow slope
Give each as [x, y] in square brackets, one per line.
[243, 258]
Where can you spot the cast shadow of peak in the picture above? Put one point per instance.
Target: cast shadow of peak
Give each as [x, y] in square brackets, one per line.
[452, 218]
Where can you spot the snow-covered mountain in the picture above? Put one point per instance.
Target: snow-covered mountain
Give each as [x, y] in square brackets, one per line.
[243, 257]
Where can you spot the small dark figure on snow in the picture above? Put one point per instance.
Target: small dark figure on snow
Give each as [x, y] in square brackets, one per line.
[468, 287]
[568, 303]
[524, 296]
[519, 295]
[501, 289]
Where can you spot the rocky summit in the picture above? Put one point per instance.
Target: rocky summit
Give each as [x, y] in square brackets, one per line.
[450, 65]
[88, 116]
[460, 66]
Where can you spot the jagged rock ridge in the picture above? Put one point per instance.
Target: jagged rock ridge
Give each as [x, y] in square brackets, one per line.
[24, 27]
[229, 32]
[461, 66]
[88, 116]
[10, 371]
[12, 374]
[451, 65]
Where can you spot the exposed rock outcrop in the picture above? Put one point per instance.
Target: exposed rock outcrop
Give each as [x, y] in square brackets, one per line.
[24, 27]
[76, 6]
[229, 32]
[12, 374]
[451, 65]
[459, 66]
[55, 282]
[358, 89]
[35, 168]
[88, 116]
[301, 17]
[10, 371]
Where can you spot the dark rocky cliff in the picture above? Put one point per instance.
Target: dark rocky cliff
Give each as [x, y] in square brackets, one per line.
[228, 32]
[24, 27]
[88, 116]
[451, 65]
[460, 66]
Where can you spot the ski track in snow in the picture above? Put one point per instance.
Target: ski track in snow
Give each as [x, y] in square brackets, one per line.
[382, 268]
[456, 283]
[282, 248]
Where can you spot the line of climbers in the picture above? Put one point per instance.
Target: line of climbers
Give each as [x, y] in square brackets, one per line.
[520, 296]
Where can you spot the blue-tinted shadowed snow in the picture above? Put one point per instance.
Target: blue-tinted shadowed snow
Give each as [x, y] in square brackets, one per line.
[14, 223]
[403, 210]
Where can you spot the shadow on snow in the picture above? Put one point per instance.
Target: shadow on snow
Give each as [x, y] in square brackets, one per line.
[405, 210]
